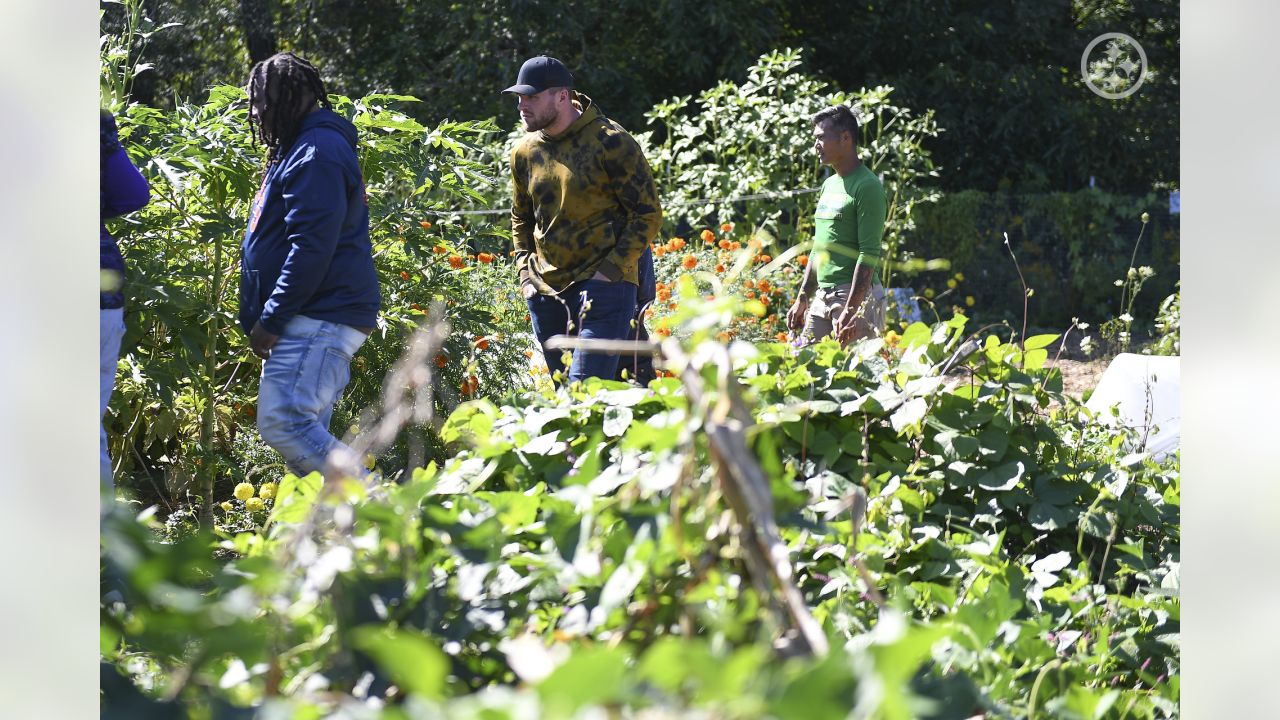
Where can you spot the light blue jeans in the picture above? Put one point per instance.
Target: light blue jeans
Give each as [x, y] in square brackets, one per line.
[110, 333]
[302, 380]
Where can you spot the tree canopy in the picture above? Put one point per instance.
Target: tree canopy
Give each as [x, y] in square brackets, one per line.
[1003, 76]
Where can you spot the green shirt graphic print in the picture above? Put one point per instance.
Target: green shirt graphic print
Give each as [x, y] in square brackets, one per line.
[848, 225]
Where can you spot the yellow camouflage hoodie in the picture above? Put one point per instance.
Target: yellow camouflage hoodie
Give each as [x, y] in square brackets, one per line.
[583, 201]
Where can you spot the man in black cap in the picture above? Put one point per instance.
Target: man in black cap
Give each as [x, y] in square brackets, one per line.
[584, 212]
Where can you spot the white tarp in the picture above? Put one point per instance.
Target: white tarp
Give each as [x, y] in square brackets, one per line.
[1145, 388]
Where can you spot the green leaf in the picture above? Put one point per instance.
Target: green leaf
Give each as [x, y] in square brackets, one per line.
[956, 446]
[547, 444]
[412, 661]
[1044, 516]
[992, 444]
[916, 334]
[472, 421]
[1002, 478]
[907, 418]
[1036, 342]
[592, 675]
[294, 498]
[1097, 524]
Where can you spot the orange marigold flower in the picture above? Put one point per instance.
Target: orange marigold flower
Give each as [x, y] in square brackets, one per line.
[720, 267]
[764, 259]
[674, 306]
[660, 251]
[528, 354]
[441, 360]
[481, 342]
[763, 285]
[754, 244]
[404, 275]
[724, 336]
[440, 250]
[662, 332]
[485, 258]
[426, 224]
[677, 243]
[690, 262]
[782, 337]
[725, 245]
[727, 227]
[803, 260]
[770, 320]
[456, 261]
[751, 294]
[471, 385]
[735, 245]
[748, 284]
[708, 236]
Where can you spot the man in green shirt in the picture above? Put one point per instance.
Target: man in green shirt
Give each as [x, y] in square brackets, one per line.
[843, 269]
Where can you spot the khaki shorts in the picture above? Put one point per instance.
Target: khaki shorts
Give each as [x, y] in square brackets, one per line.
[829, 303]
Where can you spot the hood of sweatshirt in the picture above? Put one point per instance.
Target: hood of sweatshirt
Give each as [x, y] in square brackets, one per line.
[590, 114]
[325, 117]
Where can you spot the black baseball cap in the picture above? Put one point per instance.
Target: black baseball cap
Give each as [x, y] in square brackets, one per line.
[538, 74]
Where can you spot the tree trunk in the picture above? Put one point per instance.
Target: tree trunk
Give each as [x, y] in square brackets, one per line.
[259, 29]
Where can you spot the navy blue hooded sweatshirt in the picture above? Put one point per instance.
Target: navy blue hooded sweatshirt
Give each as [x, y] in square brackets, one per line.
[307, 249]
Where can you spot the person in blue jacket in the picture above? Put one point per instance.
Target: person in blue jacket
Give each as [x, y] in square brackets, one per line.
[309, 293]
[122, 189]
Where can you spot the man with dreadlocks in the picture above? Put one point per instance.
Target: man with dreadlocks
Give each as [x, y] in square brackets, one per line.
[308, 289]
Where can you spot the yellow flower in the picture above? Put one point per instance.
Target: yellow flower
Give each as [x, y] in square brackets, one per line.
[892, 338]
[960, 277]
[370, 462]
[228, 507]
[928, 292]
[951, 284]
[968, 300]
[255, 505]
[243, 491]
[267, 491]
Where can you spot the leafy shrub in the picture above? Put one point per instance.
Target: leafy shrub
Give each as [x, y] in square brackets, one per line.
[1072, 247]
[579, 543]
[753, 137]
[189, 382]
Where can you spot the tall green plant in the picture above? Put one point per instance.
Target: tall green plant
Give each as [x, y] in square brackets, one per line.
[185, 398]
[755, 137]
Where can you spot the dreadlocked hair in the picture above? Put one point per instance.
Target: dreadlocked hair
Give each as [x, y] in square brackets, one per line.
[283, 83]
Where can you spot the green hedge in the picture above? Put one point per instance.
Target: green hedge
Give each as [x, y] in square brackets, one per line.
[1072, 247]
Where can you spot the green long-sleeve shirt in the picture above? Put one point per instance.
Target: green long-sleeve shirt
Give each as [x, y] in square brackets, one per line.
[582, 201]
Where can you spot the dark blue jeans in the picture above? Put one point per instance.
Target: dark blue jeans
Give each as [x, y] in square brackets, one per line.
[639, 367]
[612, 307]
